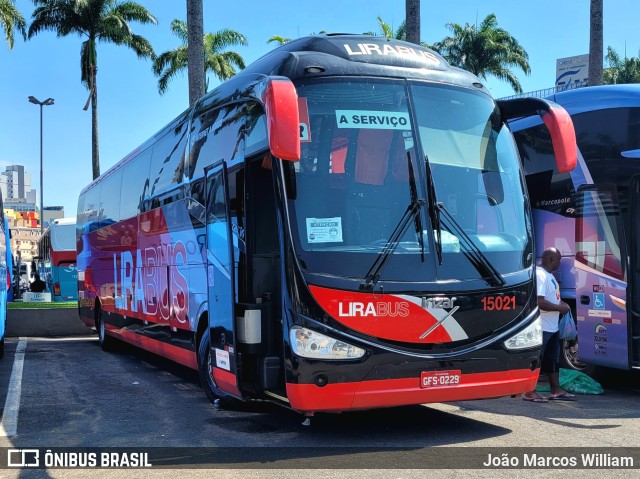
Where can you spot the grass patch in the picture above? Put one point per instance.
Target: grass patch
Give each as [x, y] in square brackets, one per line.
[52, 305]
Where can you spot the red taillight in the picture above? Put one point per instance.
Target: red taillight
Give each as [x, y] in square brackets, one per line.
[8, 280]
[56, 289]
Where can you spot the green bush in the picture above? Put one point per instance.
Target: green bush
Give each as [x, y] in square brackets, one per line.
[52, 305]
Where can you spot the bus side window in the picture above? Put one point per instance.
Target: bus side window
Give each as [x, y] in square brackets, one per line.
[167, 160]
[217, 135]
[135, 178]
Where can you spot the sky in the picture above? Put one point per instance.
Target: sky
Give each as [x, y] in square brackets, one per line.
[130, 109]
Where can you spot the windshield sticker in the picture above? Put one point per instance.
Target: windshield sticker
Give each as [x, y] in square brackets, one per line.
[324, 230]
[305, 129]
[380, 120]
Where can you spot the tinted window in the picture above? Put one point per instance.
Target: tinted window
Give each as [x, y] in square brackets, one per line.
[548, 189]
[167, 160]
[110, 198]
[255, 129]
[135, 184]
[608, 136]
[216, 135]
[89, 211]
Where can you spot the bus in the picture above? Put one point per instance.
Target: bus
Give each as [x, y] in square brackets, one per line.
[6, 266]
[342, 225]
[56, 261]
[591, 216]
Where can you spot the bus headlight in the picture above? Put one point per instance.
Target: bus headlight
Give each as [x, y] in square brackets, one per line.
[310, 344]
[530, 337]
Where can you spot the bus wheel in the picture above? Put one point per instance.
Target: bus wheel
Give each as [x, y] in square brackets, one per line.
[1, 348]
[205, 368]
[569, 358]
[106, 341]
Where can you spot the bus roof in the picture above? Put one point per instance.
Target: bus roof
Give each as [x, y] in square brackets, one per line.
[63, 221]
[63, 234]
[598, 97]
[325, 55]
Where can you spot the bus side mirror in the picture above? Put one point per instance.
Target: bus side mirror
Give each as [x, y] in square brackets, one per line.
[557, 121]
[563, 137]
[283, 120]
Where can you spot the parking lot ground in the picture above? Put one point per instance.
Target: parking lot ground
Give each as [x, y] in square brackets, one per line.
[75, 395]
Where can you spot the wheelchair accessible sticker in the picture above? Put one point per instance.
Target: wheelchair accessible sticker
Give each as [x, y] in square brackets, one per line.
[598, 300]
[377, 120]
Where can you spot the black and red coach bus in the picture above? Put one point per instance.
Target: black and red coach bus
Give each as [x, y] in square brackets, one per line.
[342, 225]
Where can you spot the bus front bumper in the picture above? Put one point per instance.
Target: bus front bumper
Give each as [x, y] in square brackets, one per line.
[405, 391]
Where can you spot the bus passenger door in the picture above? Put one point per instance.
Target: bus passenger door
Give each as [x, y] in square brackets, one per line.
[221, 281]
[601, 287]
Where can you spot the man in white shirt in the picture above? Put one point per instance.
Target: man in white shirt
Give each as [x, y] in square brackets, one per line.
[551, 306]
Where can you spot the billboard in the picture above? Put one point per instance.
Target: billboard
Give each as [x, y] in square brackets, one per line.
[572, 72]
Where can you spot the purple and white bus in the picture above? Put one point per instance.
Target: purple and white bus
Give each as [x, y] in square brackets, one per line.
[591, 215]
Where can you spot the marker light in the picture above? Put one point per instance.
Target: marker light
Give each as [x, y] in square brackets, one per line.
[530, 337]
[310, 344]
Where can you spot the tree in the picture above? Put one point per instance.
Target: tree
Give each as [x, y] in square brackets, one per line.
[98, 21]
[386, 30]
[217, 60]
[195, 50]
[412, 20]
[485, 50]
[625, 70]
[595, 44]
[279, 40]
[11, 19]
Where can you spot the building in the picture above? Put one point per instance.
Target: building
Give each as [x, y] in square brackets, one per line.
[17, 194]
[50, 213]
[25, 233]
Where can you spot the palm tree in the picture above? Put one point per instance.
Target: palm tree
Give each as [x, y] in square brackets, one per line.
[279, 40]
[98, 21]
[11, 19]
[595, 44]
[220, 62]
[412, 20]
[625, 70]
[195, 50]
[485, 50]
[386, 30]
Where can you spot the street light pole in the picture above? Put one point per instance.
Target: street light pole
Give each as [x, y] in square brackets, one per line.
[47, 102]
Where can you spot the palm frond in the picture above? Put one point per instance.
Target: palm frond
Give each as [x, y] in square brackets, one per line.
[11, 19]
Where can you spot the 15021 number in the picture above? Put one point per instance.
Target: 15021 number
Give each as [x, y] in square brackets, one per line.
[498, 303]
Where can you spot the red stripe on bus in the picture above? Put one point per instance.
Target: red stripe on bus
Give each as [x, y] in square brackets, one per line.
[390, 316]
[407, 391]
[174, 353]
[226, 381]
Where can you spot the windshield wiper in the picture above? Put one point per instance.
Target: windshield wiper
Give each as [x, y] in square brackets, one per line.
[434, 212]
[417, 218]
[471, 251]
[412, 211]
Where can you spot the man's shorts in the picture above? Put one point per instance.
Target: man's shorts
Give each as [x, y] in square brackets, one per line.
[550, 352]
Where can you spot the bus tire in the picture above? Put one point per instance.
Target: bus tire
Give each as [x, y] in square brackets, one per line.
[569, 358]
[207, 381]
[106, 341]
[1, 348]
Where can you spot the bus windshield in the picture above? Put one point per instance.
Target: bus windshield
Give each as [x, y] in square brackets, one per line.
[353, 185]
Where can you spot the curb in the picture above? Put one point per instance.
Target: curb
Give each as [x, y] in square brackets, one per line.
[45, 323]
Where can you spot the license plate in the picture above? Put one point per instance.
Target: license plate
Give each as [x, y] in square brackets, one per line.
[438, 379]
